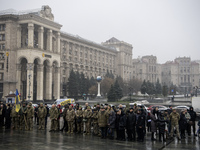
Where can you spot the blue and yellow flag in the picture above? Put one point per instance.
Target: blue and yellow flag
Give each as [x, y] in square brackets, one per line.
[17, 101]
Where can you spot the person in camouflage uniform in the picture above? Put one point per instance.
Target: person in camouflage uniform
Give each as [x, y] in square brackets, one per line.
[70, 116]
[29, 117]
[95, 122]
[15, 118]
[42, 112]
[22, 115]
[53, 116]
[175, 117]
[79, 120]
[65, 126]
[87, 115]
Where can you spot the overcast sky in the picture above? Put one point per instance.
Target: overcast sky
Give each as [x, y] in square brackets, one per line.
[164, 28]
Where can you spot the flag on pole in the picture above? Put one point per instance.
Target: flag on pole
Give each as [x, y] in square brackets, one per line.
[17, 101]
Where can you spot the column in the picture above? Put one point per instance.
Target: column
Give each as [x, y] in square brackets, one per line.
[48, 83]
[40, 37]
[30, 35]
[18, 77]
[57, 83]
[49, 40]
[29, 91]
[40, 71]
[99, 94]
[19, 32]
[58, 42]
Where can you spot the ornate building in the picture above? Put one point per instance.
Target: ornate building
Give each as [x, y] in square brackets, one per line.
[147, 68]
[181, 72]
[36, 57]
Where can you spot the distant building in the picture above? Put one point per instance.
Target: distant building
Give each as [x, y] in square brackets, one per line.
[146, 68]
[181, 72]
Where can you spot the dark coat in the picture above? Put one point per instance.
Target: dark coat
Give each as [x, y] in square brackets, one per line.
[192, 114]
[121, 121]
[183, 122]
[161, 123]
[8, 112]
[131, 121]
[141, 120]
[154, 121]
[111, 119]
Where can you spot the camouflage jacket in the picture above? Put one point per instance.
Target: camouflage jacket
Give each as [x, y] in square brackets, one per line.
[30, 112]
[70, 115]
[53, 113]
[42, 112]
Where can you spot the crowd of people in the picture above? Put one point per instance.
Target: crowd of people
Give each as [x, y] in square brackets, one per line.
[129, 123]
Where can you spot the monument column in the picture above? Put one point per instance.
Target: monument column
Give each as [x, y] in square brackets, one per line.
[29, 95]
[40, 86]
[49, 40]
[18, 77]
[31, 35]
[19, 33]
[57, 83]
[40, 37]
[48, 83]
[58, 42]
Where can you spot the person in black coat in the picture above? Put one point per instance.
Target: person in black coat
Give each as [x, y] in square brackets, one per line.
[183, 124]
[1, 116]
[192, 121]
[161, 125]
[140, 126]
[7, 116]
[130, 125]
[120, 125]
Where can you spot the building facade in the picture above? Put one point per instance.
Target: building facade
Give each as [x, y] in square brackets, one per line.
[146, 68]
[181, 72]
[36, 57]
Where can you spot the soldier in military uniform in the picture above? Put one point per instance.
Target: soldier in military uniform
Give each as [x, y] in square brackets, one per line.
[87, 115]
[15, 118]
[22, 115]
[53, 116]
[95, 122]
[175, 117]
[29, 117]
[42, 112]
[70, 116]
[79, 120]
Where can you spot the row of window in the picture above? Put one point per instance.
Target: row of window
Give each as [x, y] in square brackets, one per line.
[2, 27]
[2, 37]
[1, 76]
[2, 46]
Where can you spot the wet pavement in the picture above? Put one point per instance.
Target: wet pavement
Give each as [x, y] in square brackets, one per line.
[45, 140]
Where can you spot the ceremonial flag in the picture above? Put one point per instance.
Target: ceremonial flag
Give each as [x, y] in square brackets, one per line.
[17, 101]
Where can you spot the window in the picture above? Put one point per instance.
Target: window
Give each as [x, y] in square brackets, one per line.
[2, 27]
[1, 55]
[1, 66]
[1, 76]
[2, 37]
[81, 54]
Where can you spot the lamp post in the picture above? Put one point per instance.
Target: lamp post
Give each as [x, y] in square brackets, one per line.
[130, 89]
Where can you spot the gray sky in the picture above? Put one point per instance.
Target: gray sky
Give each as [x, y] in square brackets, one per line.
[164, 28]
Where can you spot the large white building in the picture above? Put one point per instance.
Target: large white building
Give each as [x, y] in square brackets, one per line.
[36, 56]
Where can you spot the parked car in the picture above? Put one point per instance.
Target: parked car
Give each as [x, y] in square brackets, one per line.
[160, 108]
[182, 107]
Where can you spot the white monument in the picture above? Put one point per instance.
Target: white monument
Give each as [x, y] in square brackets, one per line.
[99, 82]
